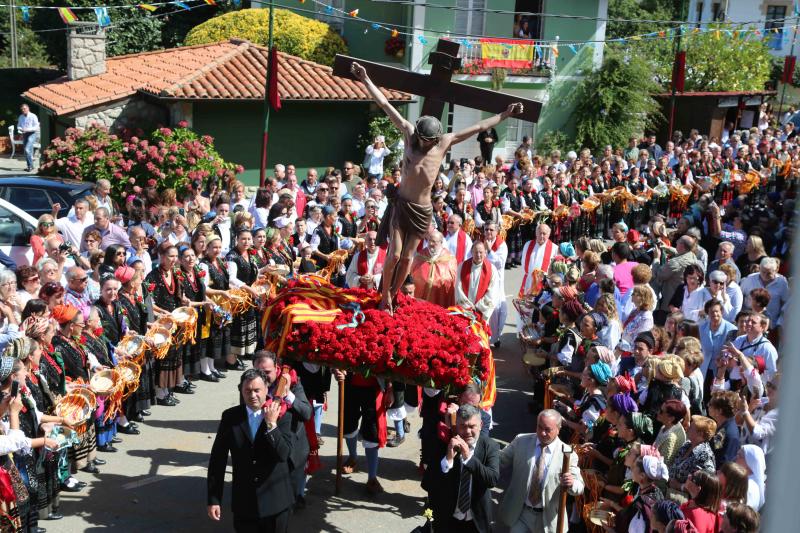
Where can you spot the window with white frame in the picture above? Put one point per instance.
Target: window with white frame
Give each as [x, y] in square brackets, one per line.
[333, 17]
[469, 17]
[517, 129]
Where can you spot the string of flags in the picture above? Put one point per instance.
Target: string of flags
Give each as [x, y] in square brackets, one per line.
[743, 30]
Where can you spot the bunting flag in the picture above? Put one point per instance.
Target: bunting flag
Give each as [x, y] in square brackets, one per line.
[573, 49]
[274, 95]
[498, 53]
[422, 39]
[238, 3]
[211, 2]
[67, 15]
[395, 33]
[353, 13]
[103, 19]
[554, 48]
[148, 7]
[182, 5]
[26, 14]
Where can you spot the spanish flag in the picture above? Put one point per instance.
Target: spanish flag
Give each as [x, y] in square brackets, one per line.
[67, 15]
[507, 53]
[148, 7]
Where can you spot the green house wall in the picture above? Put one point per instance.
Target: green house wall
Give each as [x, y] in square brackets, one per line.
[307, 134]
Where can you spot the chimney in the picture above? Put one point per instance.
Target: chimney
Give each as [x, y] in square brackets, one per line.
[86, 50]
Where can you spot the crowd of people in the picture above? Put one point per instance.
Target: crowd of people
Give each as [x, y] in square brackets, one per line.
[651, 334]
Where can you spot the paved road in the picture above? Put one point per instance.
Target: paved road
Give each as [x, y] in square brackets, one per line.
[156, 481]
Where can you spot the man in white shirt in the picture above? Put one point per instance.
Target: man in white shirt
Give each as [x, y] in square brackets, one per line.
[537, 255]
[457, 240]
[367, 265]
[72, 226]
[28, 126]
[478, 283]
[497, 254]
[768, 278]
[376, 153]
[755, 344]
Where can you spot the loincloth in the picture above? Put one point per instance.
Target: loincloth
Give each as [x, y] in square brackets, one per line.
[412, 219]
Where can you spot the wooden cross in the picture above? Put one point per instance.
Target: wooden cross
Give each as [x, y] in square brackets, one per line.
[437, 88]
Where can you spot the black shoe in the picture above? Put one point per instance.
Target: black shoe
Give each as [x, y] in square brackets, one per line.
[190, 385]
[219, 375]
[300, 503]
[396, 441]
[90, 469]
[99, 462]
[183, 389]
[116, 440]
[174, 398]
[168, 402]
[209, 377]
[145, 413]
[221, 368]
[238, 365]
[38, 529]
[134, 425]
[106, 448]
[128, 430]
[496, 344]
[138, 418]
[508, 266]
[67, 488]
[54, 515]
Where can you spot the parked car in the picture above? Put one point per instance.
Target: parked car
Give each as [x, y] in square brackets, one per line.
[16, 228]
[36, 195]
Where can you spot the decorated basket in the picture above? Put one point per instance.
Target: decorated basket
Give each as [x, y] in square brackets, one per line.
[89, 394]
[166, 322]
[533, 357]
[133, 347]
[129, 373]
[103, 382]
[560, 390]
[186, 325]
[601, 517]
[159, 340]
[74, 408]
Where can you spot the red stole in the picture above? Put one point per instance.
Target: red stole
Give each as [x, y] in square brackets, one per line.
[461, 246]
[483, 283]
[363, 265]
[548, 253]
[497, 242]
[555, 198]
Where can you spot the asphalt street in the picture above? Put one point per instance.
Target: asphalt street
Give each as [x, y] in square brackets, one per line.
[157, 480]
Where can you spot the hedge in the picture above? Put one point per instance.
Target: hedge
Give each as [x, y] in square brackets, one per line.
[293, 34]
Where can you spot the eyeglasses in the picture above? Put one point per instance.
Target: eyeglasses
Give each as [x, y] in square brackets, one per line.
[33, 278]
[324, 189]
[81, 280]
[348, 168]
[717, 281]
[47, 224]
[120, 253]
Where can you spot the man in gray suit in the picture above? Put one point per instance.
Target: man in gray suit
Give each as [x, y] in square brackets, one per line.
[531, 501]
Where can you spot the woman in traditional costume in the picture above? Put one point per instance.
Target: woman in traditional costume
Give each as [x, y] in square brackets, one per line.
[195, 291]
[242, 273]
[218, 358]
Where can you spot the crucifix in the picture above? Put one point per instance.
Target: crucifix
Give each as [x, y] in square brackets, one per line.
[408, 218]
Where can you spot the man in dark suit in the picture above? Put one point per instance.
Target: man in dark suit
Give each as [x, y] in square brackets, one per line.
[299, 411]
[260, 443]
[458, 488]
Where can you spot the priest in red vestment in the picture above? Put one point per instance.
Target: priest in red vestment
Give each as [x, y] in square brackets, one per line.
[367, 266]
[478, 286]
[434, 272]
[537, 255]
[456, 240]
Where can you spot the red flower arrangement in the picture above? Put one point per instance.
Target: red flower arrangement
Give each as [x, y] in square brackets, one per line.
[151, 287]
[421, 342]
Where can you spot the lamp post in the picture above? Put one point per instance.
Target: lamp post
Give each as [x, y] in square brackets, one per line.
[262, 178]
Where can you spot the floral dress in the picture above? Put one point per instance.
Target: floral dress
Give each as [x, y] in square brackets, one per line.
[688, 461]
[144, 397]
[244, 333]
[195, 290]
[169, 370]
[219, 344]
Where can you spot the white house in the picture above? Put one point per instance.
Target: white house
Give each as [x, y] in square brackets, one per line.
[765, 15]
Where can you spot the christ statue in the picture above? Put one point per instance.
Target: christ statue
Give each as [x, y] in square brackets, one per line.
[408, 218]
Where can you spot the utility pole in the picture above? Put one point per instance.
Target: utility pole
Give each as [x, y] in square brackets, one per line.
[673, 98]
[791, 75]
[262, 178]
[12, 13]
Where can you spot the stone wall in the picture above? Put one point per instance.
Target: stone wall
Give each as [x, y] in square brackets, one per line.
[86, 53]
[131, 113]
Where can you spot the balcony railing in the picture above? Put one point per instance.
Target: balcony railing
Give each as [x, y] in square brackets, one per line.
[472, 62]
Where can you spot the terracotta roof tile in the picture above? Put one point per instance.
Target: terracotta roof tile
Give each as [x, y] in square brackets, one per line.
[231, 70]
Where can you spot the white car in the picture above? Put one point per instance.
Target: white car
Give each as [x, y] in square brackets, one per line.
[16, 228]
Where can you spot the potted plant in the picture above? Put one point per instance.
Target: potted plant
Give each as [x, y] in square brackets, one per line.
[5, 140]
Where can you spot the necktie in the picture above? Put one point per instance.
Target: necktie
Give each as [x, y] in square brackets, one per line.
[463, 490]
[535, 493]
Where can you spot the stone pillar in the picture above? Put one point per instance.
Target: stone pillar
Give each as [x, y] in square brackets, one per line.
[86, 52]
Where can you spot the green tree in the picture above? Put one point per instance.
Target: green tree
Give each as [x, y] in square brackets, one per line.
[633, 10]
[294, 34]
[614, 102]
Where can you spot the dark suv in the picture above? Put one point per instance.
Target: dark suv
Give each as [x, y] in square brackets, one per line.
[37, 195]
